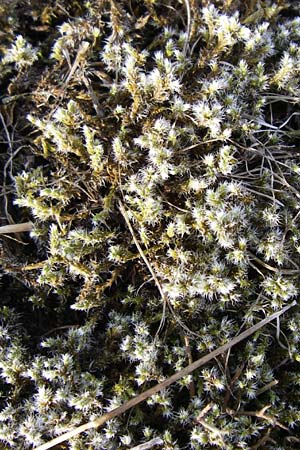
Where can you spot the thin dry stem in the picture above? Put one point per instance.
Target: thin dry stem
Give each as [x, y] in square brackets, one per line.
[266, 387]
[188, 12]
[16, 228]
[236, 376]
[192, 388]
[212, 428]
[273, 269]
[149, 444]
[266, 438]
[261, 414]
[163, 296]
[145, 259]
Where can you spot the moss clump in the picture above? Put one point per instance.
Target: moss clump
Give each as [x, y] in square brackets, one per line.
[164, 191]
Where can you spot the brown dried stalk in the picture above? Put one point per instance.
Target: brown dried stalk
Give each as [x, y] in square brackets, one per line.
[16, 228]
[192, 388]
[149, 444]
[166, 383]
[266, 438]
[141, 252]
[208, 426]
[261, 414]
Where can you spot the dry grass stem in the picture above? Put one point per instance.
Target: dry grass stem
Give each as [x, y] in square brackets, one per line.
[16, 228]
[149, 444]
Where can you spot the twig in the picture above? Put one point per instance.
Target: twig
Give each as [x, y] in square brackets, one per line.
[63, 327]
[212, 428]
[81, 51]
[94, 98]
[208, 426]
[34, 266]
[149, 444]
[273, 269]
[188, 32]
[8, 163]
[163, 385]
[16, 228]
[236, 376]
[292, 439]
[192, 388]
[204, 411]
[163, 296]
[266, 387]
[263, 440]
[261, 414]
[125, 215]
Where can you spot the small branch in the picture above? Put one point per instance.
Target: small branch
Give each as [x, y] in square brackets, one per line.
[94, 98]
[64, 327]
[166, 383]
[192, 388]
[81, 51]
[163, 296]
[16, 228]
[125, 215]
[261, 414]
[204, 411]
[34, 266]
[212, 428]
[266, 387]
[188, 31]
[145, 259]
[207, 425]
[273, 269]
[236, 376]
[263, 440]
[292, 439]
[149, 444]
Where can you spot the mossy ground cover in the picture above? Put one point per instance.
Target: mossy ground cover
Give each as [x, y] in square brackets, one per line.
[154, 146]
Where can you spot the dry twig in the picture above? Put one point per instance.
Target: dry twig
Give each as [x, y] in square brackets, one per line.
[149, 444]
[16, 228]
[145, 259]
[192, 388]
[266, 438]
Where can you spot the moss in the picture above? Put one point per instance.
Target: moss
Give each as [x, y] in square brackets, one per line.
[163, 185]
